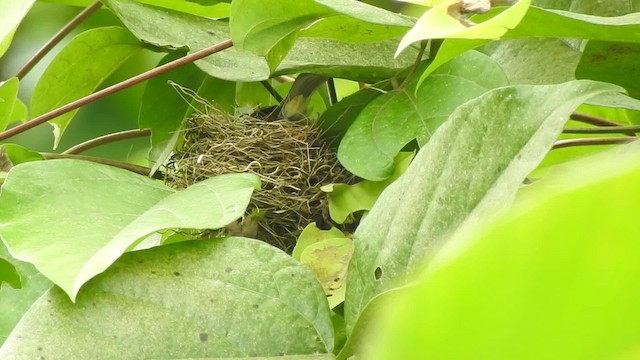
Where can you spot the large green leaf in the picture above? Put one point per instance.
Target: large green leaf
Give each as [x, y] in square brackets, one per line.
[168, 29]
[164, 109]
[612, 62]
[209, 8]
[99, 212]
[392, 120]
[14, 303]
[228, 298]
[78, 69]
[557, 24]
[553, 278]
[11, 108]
[605, 8]
[535, 61]
[11, 14]
[271, 31]
[469, 167]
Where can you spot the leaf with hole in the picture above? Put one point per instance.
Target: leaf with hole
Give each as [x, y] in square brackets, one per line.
[563, 251]
[100, 212]
[445, 186]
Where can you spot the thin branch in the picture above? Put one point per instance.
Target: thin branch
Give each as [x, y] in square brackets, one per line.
[271, 90]
[115, 88]
[593, 141]
[592, 120]
[119, 164]
[44, 50]
[331, 89]
[106, 139]
[416, 64]
[628, 130]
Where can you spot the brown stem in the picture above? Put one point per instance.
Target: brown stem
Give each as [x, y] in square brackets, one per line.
[593, 120]
[271, 90]
[44, 50]
[106, 139]
[115, 88]
[593, 141]
[119, 164]
[627, 130]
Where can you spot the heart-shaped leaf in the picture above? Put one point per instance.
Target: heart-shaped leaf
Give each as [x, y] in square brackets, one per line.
[72, 219]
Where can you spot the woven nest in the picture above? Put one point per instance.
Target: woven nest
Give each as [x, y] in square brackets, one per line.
[292, 159]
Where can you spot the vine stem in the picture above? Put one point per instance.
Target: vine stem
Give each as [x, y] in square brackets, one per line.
[115, 88]
[119, 164]
[106, 139]
[44, 50]
[593, 141]
[593, 120]
[628, 130]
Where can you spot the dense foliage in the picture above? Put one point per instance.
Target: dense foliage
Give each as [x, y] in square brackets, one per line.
[471, 231]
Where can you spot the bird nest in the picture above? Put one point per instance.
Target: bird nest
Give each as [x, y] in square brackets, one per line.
[292, 159]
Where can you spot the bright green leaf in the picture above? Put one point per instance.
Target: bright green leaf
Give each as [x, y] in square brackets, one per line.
[164, 109]
[345, 200]
[441, 22]
[19, 154]
[311, 235]
[11, 14]
[79, 68]
[611, 62]
[103, 211]
[556, 270]
[392, 120]
[607, 8]
[9, 274]
[11, 108]
[558, 24]
[224, 298]
[470, 167]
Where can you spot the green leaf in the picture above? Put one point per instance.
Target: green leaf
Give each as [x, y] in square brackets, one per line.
[611, 62]
[101, 212]
[311, 235]
[9, 274]
[439, 22]
[470, 167]
[535, 61]
[11, 14]
[605, 8]
[565, 250]
[164, 109]
[271, 31]
[166, 29]
[392, 120]
[209, 8]
[78, 69]
[14, 303]
[226, 298]
[19, 154]
[338, 118]
[11, 108]
[558, 24]
[345, 200]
